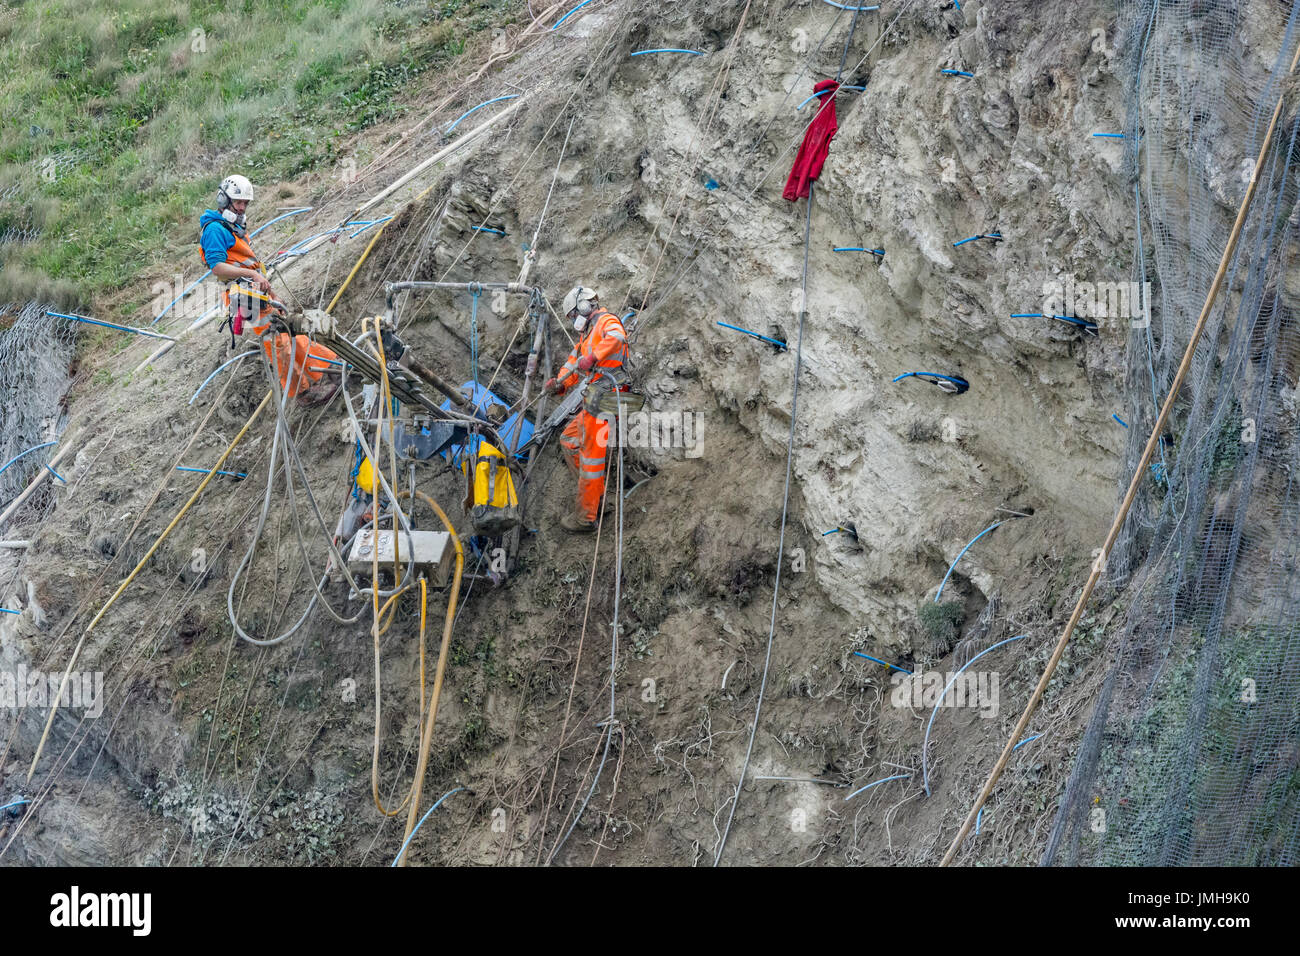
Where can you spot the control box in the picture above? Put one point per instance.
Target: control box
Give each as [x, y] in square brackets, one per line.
[432, 552]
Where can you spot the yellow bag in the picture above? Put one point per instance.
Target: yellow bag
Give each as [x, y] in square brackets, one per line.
[366, 477]
[495, 504]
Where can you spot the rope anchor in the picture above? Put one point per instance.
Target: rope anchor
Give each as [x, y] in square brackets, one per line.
[735, 328]
[952, 384]
[995, 236]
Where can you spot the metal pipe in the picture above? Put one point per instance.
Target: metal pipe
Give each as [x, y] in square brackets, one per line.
[36, 482]
[436, 157]
[15, 544]
[418, 368]
[511, 288]
[530, 370]
[111, 325]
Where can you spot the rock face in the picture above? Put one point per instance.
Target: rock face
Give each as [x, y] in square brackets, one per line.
[922, 160]
[668, 201]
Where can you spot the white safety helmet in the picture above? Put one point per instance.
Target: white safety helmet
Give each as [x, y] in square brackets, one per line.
[233, 188]
[580, 303]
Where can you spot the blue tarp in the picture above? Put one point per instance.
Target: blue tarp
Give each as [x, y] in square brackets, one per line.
[482, 399]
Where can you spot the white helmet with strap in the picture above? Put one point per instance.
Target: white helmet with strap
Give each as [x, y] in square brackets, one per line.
[233, 188]
[580, 303]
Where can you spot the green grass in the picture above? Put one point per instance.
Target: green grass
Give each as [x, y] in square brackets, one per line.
[941, 622]
[128, 116]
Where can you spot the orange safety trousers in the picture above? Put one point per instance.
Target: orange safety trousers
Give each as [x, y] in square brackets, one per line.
[584, 442]
[310, 361]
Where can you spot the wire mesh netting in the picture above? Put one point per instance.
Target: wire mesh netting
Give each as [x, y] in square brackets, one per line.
[35, 355]
[1192, 753]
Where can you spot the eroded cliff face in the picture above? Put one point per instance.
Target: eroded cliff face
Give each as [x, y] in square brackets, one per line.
[921, 161]
[669, 196]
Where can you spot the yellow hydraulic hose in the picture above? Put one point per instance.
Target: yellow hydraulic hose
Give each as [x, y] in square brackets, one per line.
[393, 613]
[343, 288]
[424, 615]
[387, 399]
[426, 738]
[54, 704]
[374, 761]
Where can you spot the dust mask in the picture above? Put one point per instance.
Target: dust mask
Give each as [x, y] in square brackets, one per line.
[579, 323]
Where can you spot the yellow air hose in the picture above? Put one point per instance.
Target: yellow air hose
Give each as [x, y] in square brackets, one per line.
[374, 761]
[426, 738]
[54, 704]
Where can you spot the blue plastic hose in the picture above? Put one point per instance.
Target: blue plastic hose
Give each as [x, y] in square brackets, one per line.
[277, 219]
[398, 858]
[925, 744]
[223, 365]
[737, 328]
[939, 593]
[368, 226]
[498, 99]
[983, 235]
[879, 661]
[27, 452]
[946, 378]
[111, 325]
[570, 13]
[897, 776]
[815, 95]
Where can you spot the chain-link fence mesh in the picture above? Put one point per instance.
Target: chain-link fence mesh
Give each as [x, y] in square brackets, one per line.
[35, 355]
[1192, 754]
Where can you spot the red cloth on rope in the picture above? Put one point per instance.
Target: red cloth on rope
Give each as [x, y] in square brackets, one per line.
[816, 143]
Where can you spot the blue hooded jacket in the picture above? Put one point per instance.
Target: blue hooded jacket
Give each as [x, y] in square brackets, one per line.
[216, 236]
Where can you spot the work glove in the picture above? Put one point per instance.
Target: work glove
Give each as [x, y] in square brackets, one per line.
[585, 363]
[552, 387]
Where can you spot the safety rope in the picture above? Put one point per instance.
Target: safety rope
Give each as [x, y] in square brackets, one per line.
[785, 509]
[691, 259]
[789, 462]
[609, 721]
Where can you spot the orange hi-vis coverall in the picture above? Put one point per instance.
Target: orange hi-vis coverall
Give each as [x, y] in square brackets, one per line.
[585, 438]
[310, 361]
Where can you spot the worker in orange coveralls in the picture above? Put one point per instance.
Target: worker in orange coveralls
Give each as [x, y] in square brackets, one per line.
[601, 348]
[224, 243]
